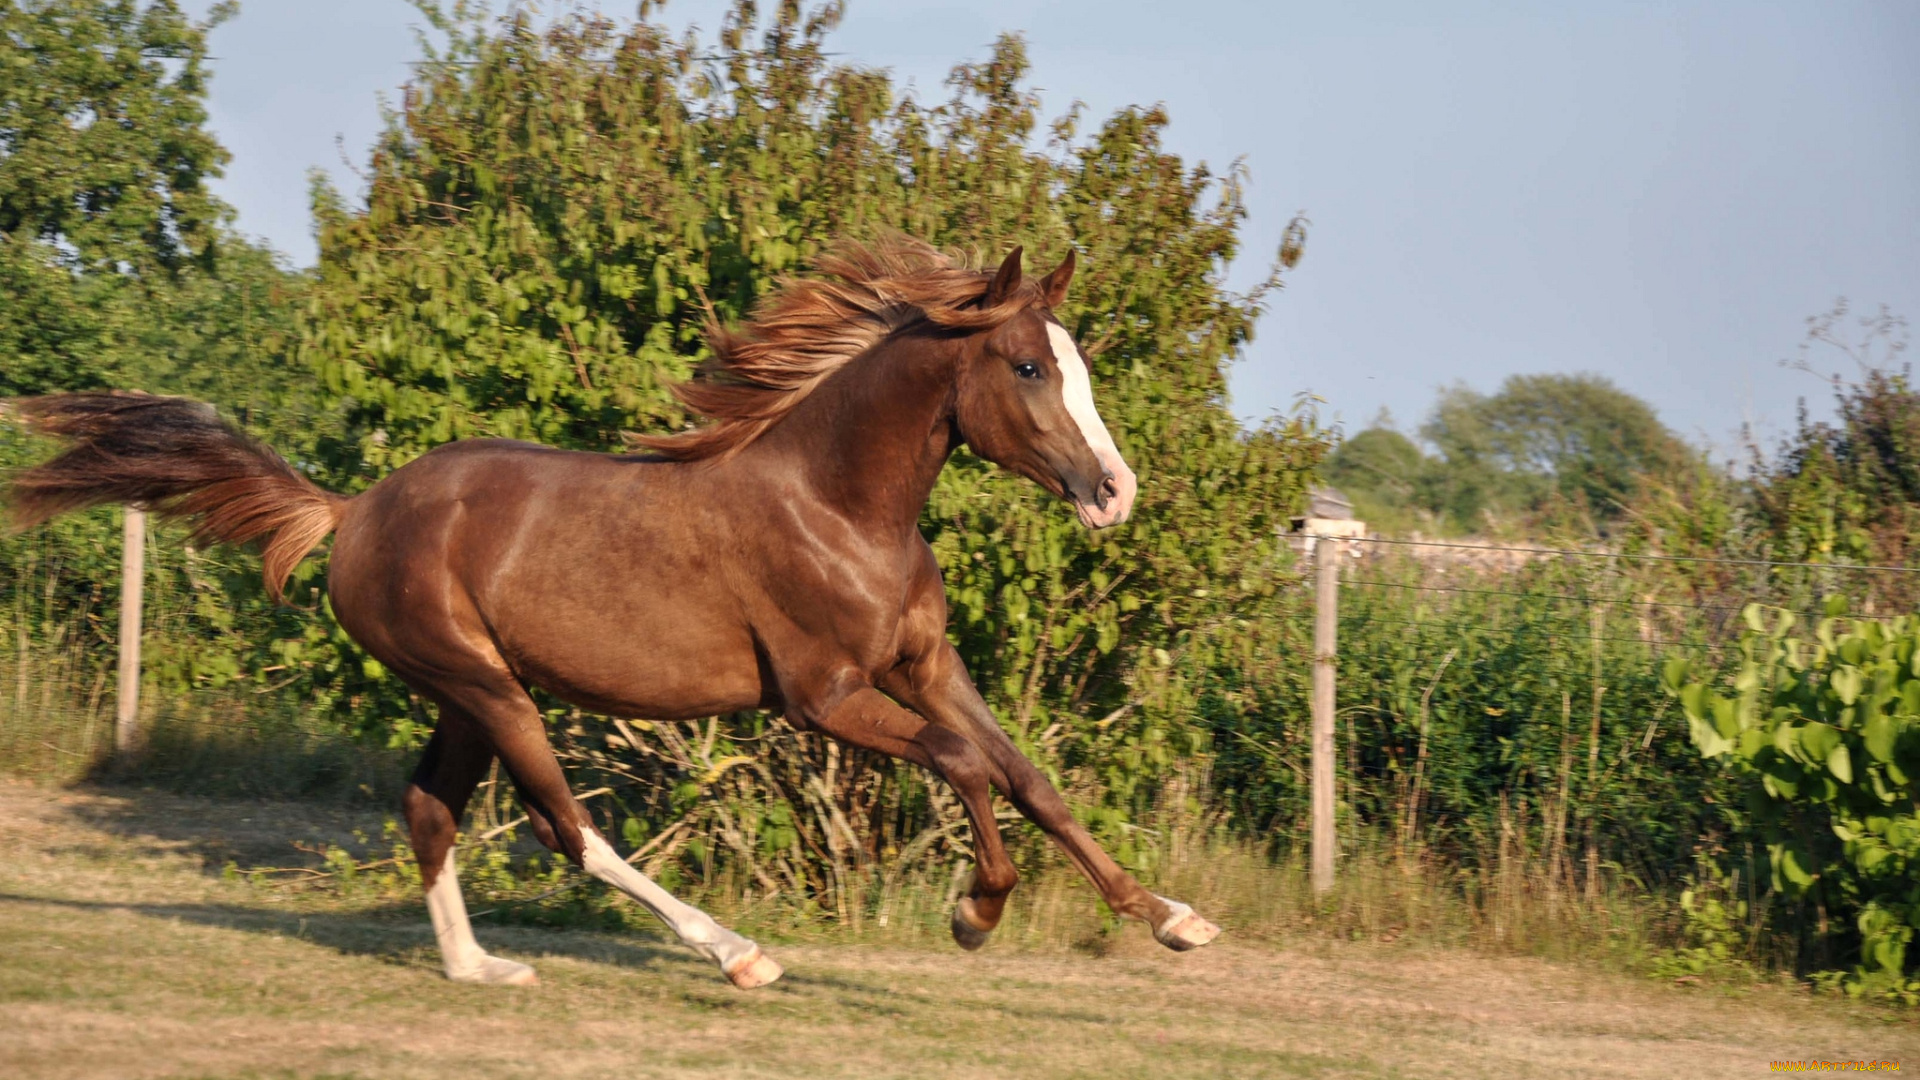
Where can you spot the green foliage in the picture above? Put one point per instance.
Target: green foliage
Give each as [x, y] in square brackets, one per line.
[1501, 716]
[1577, 436]
[103, 167]
[1823, 733]
[1387, 476]
[101, 118]
[1717, 933]
[555, 214]
[117, 269]
[1546, 450]
[1849, 490]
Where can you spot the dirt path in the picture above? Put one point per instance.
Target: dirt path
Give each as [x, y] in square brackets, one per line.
[122, 957]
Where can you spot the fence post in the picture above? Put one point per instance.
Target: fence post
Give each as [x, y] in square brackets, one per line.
[1326, 617]
[126, 721]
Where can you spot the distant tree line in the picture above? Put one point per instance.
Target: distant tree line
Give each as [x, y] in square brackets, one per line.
[1574, 456]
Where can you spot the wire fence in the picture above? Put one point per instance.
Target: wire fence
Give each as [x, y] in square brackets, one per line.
[1487, 695]
[1635, 557]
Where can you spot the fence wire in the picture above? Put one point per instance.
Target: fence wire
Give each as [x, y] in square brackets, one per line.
[1577, 553]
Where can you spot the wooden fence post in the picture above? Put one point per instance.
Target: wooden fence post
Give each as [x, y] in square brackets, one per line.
[126, 721]
[1326, 620]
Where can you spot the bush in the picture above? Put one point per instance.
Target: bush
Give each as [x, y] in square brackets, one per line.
[1823, 734]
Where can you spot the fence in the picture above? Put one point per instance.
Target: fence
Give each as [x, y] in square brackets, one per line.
[1480, 699]
[1503, 641]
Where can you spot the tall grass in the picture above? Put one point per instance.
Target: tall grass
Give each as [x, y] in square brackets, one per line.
[57, 726]
[1509, 781]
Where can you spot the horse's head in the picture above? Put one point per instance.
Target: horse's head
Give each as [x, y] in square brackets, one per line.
[1025, 402]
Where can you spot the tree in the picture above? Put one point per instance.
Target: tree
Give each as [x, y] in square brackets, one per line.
[1848, 490]
[118, 269]
[1577, 436]
[104, 160]
[555, 214]
[1388, 476]
[1545, 450]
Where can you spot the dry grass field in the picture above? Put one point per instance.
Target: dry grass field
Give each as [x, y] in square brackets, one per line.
[125, 954]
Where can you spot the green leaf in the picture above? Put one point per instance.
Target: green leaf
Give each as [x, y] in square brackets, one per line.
[1847, 682]
[1879, 735]
[1694, 699]
[1782, 780]
[1819, 741]
[1726, 719]
[1674, 673]
[1791, 865]
[1840, 764]
[1705, 736]
[1786, 740]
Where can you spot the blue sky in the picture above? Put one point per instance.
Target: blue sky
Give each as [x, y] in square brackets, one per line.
[1660, 193]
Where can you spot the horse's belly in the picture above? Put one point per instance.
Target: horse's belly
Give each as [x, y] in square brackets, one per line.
[644, 673]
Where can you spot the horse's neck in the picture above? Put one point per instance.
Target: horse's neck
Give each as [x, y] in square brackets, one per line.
[871, 440]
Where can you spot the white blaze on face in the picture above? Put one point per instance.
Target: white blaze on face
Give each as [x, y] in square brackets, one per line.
[1076, 387]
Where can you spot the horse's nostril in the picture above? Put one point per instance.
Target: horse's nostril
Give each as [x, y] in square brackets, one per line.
[1106, 492]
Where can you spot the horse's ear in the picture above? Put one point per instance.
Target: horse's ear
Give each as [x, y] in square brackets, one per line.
[1054, 285]
[1007, 280]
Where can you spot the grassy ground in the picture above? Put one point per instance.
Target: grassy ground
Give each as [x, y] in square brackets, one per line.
[124, 954]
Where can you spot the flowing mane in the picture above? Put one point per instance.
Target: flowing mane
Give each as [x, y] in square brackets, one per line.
[808, 328]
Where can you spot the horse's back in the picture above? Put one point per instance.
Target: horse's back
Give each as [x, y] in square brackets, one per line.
[597, 576]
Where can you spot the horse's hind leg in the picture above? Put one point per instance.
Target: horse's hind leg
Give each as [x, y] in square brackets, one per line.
[436, 798]
[512, 725]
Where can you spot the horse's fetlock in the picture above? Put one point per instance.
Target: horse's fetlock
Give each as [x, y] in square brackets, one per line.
[995, 881]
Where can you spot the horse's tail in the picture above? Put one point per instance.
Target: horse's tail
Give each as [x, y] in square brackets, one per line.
[177, 458]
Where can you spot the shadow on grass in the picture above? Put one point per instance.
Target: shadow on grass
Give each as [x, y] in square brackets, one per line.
[252, 833]
[397, 934]
[400, 937]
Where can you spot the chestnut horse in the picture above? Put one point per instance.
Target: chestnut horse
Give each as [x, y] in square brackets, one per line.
[768, 560]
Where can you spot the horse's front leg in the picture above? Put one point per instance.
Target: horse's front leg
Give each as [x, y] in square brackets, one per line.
[939, 688]
[868, 719]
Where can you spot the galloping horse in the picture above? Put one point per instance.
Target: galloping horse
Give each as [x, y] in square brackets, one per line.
[770, 559]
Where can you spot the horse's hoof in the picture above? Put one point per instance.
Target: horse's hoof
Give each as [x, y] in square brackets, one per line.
[754, 969]
[967, 933]
[496, 971]
[1182, 929]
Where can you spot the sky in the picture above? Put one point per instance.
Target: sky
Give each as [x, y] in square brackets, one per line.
[1660, 193]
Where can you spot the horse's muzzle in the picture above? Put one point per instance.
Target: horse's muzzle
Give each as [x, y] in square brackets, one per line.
[1112, 499]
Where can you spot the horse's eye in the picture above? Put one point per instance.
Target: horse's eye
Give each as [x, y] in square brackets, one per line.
[1027, 370]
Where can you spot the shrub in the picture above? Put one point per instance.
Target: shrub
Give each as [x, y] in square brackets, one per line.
[1823, 733]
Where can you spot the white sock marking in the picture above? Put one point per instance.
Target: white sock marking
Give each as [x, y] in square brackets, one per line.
[462, 956]
[691, 925]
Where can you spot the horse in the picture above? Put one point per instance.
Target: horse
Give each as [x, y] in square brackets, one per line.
[770, 559]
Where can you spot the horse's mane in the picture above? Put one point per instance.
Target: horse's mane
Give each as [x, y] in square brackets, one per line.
[808, 328]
